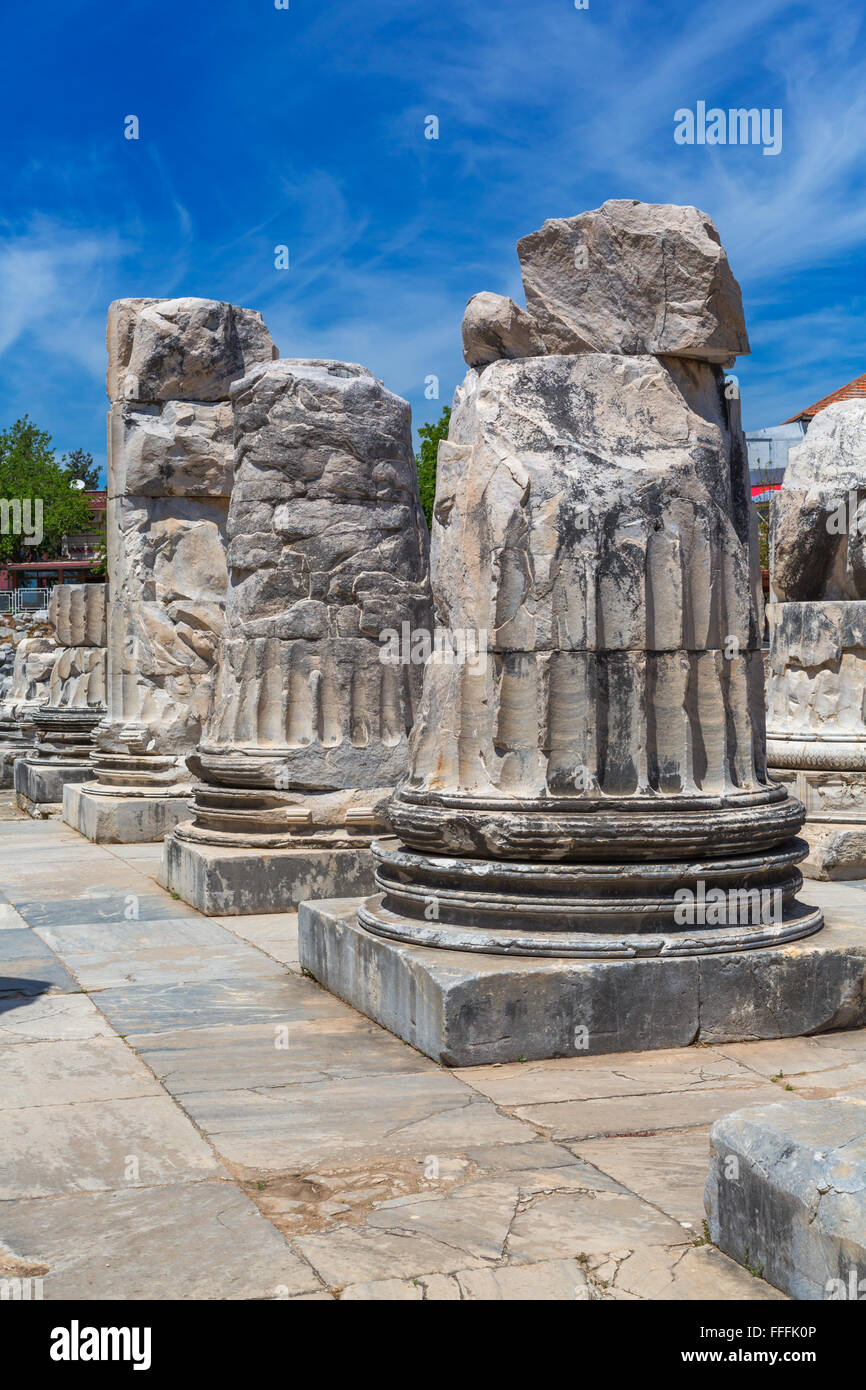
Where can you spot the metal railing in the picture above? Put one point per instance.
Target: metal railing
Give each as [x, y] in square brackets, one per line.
[25, 600]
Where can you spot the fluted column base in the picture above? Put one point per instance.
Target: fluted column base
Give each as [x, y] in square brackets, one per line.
[622, 829]
[591, 910]
[61, 754]
[17, 737]
[136, 798]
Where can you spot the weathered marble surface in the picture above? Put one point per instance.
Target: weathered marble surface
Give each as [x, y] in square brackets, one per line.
[77, 614]
[817, 687]
[466, 1008]
[787, 1184]
[31, 676]
[171, 364]
[328, 551]
[76, 698]
[28, 690]
[818, 516]
[495, 327]
[816, 690]
[592, 523]
[181, 349]
[633, 277]
[591, 747]
[582, 504]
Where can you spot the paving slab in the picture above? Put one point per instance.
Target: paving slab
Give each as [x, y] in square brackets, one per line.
[583, 1224]
[202, 1240]
[60, 1073]
[350, 1190]
[10, 920]
[107, 907]
[52, 1149]
[599, 1078]
[212, 1003]
[148, 856]
[644, 1114]
[668, 1170]
[275, 933]
[549, 1280]
[693, 1274]
[274, 1054]
[298, 1126]
[155, 952]
[22, 944]
[34, 975]
[50, 880]
[786, 1057]
[848, 1079]
[51, 1017]
[358, 1255]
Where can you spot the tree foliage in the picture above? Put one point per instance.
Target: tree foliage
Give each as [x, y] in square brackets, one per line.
[425, 461]
[29, 469]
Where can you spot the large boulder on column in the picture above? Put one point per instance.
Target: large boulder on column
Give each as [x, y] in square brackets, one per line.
[182, 349]
[494, 327]
[818, 516]
[633, 277]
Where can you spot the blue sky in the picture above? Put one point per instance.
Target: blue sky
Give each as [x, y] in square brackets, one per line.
[305, 127]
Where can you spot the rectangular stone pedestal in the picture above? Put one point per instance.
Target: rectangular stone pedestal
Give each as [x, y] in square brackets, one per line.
[10, 754]
[466, 1009]
[41, 783]
[122, 820]
[232, 882]
[786, 1194]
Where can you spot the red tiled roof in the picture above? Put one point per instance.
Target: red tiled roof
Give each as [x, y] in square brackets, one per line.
[53, 564]
[855, 390]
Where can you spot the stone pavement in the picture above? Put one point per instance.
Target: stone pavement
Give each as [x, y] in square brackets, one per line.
[184, 1115]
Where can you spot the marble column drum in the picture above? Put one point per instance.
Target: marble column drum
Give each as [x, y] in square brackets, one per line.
[28, 692]
[170, 367]
[587, 818]
[616, 728]
[816, 692]
[76, 700]
[328, 550]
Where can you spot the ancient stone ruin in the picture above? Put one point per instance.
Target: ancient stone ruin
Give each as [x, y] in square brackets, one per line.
[76, 699]
[816, 692]
[27, 692]
[309, 732]
[170, 365]
[587, 818]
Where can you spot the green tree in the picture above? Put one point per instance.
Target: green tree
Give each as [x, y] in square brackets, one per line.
[81, 466]
[425, 461]
[29, 469]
